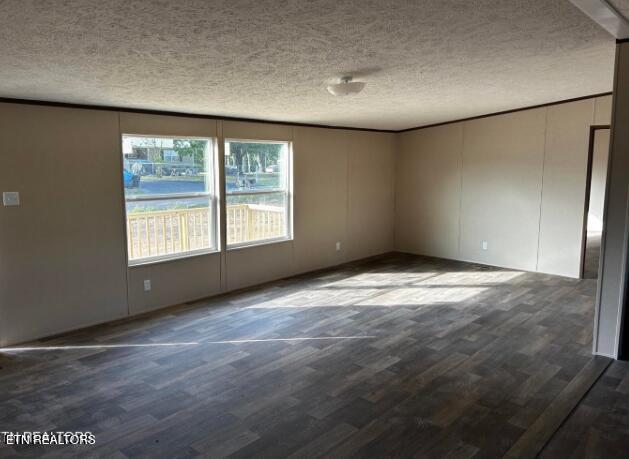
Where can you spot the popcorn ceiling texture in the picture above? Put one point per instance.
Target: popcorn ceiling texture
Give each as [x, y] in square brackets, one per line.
[622, 6]
[424, 61]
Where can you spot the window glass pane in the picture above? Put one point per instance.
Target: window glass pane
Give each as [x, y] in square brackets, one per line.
[255, 165]
[155, 205]
[159, 230]
[159, 165]
[162, 180]
[255, 217]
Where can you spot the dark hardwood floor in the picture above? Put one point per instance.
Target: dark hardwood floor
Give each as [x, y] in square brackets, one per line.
[599, 427]
[405, 356]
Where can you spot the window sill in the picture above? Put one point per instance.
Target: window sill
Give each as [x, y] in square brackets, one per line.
[248, 245]
[170, 259]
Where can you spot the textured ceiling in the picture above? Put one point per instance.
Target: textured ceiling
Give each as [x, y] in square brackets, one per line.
[622, 6]
[424, 61]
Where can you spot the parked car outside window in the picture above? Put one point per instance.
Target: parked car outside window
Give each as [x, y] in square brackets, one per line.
[131, 180]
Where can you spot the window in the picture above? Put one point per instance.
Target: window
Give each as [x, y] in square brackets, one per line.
[258, 187]
[170, 195]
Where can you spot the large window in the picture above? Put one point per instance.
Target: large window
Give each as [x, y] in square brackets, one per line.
[257, 182]
[170, 194]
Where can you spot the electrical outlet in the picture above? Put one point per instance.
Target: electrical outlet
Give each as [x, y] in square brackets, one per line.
[147, 285]
[338, 246]
[484, 245]
[10, 198]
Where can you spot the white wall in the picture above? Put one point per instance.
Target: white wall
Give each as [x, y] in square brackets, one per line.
[613, 283]
[516, 181]
[600, 158]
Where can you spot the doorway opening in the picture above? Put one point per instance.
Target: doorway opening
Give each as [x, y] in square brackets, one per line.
[598, 161]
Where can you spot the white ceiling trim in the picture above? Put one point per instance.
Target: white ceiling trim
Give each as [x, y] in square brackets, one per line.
[606, 15]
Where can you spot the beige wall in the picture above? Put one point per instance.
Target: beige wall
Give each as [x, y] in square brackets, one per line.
[62, 252]
[249, 266]
[343, 192]
[516, 181]
[174, 282]
[63, 263]
[563, 193]
[371, 194]
[320, 197]
[501, 175]
[428, 197]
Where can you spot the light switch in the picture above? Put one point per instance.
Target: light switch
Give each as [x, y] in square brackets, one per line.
[484, 245]
[11, 198]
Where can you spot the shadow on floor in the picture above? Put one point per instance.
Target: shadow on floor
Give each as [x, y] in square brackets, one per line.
[449, 359]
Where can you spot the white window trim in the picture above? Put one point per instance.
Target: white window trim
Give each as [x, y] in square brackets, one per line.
[171, 257]
[166, 197]
[213, 194]
[288, 191]
[259, 242]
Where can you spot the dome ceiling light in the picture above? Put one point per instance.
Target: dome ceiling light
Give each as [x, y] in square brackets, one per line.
[346, 87]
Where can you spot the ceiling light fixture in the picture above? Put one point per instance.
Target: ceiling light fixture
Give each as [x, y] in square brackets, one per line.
[346, 87]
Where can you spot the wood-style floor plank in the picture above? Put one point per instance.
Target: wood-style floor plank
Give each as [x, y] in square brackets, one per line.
[599, 426]
[404, 356]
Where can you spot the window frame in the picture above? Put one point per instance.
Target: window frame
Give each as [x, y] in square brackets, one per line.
[287, 190]
[212, 161]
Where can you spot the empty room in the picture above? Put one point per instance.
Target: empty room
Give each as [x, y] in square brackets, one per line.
[317, 228]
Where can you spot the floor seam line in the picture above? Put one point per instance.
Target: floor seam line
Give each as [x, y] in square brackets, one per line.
[574, 408]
